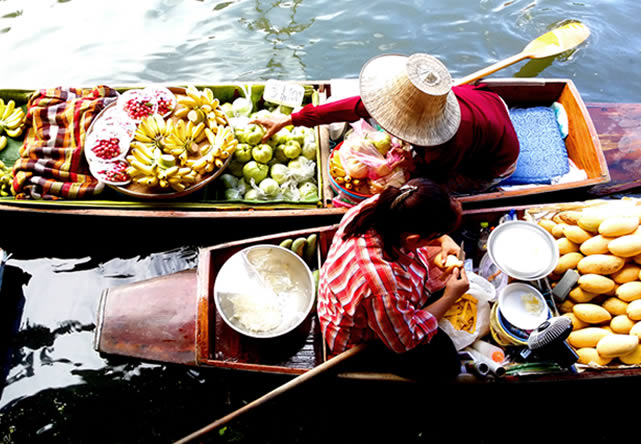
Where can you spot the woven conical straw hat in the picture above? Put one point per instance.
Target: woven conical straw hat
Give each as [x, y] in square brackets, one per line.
[411, 97]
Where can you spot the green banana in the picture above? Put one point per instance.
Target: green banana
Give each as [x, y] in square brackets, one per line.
[287, 243]
[298, 246]
[310, 248]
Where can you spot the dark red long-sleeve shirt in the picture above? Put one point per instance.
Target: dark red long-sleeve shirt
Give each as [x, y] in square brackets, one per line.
[484, 147]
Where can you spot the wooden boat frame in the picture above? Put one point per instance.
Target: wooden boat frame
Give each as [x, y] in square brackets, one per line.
[583, 145]
[173, 319]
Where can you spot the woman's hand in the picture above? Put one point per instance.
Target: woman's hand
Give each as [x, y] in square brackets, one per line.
[272, 124]
[448, 247]
[456, 285]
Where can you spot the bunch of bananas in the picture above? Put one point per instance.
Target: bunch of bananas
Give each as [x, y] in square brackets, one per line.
[6, 177]
[183, 140]
[153, 131]
[200, 106]
[305, 247]
[149, 166]
[12, 121]
[222, 144]
[343, 179]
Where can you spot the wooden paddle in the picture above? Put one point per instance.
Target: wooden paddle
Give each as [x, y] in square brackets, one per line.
[551, 43]
[277, 391]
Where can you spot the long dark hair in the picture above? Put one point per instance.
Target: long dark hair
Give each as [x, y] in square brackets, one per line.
[421, 207]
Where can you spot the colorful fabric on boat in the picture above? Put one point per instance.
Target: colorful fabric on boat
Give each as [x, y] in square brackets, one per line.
[543, 154]
[52, 164]
[363, 295]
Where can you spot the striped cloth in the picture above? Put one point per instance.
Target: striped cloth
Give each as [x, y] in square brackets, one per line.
[52, 164]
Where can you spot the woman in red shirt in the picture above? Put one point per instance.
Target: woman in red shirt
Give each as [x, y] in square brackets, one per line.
[463, 134]
[377, 284]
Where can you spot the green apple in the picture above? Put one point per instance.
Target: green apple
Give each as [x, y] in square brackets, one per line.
[309, 150]
[243, 152]
[262, 153]
[381, 141]
[229, 180]
[255, 170]
[298, 134]
[282, 136]
[292, 149]
[279, 153]
[308, 191]
[241, 134]
[236, 168]
[279, 172]
[254, 134]
[251, 194]
[269, 186]
[233, 194]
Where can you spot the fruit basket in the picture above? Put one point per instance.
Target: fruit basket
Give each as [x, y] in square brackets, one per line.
[159, 143]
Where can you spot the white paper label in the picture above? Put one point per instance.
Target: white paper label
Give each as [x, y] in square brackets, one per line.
[284, 93]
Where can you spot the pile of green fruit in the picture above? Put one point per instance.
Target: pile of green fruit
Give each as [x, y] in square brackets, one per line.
[283, 168]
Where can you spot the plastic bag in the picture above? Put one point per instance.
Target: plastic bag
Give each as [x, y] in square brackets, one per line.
[484, 293]
[359, 156]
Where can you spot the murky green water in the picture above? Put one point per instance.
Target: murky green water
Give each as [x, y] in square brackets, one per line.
[57, 388]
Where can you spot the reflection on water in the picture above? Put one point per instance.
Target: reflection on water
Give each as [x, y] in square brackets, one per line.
[125, 42]
[49, 306]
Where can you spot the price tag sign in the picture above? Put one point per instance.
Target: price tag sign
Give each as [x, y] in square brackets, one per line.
[284, 93]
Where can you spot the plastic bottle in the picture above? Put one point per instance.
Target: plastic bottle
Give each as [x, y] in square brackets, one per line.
[481, 243]
[491, 351]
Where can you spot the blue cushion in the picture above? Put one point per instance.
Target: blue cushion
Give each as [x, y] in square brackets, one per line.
[542, 153]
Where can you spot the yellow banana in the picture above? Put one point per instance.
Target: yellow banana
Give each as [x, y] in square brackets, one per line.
[147, 169]
[8, 110]
[16, 132]
[3, 143]
[188, 101]
[2, 107]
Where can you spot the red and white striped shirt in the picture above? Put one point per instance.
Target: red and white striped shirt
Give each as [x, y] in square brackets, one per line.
[363, 295]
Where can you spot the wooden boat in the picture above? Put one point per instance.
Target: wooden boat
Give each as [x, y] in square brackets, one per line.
[173, 319]
[601, 139]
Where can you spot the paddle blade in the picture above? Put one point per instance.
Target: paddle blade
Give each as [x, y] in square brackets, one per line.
[558, 40]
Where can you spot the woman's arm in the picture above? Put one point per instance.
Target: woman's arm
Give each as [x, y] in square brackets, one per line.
[344, 110]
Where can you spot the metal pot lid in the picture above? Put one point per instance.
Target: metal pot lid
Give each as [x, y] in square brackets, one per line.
[523, 250]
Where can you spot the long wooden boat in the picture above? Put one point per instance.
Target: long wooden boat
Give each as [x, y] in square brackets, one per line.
[173, 319]
[601, 142]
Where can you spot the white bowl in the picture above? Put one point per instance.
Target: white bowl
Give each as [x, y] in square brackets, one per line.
[523, 306]
[264, 291]
[523, 250]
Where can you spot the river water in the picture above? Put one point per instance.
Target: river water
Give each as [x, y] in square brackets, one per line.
[56, 387]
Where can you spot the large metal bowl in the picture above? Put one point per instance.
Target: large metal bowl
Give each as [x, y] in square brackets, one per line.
[264, 291]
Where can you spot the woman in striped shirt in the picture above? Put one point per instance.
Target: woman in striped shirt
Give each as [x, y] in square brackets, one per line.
[378, 284]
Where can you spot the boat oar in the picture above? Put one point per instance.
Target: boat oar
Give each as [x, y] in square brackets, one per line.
[551, 43]
[276, 392]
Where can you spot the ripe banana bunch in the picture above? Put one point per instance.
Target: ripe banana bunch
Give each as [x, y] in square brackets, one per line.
[6, 177]
[222, 144]
[184, 139]
[153, 130]
[12, 118]
[197, 105]
[149, 166]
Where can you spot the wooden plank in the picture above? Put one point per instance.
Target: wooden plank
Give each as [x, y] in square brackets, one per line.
[619, 128]
[152, 319]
